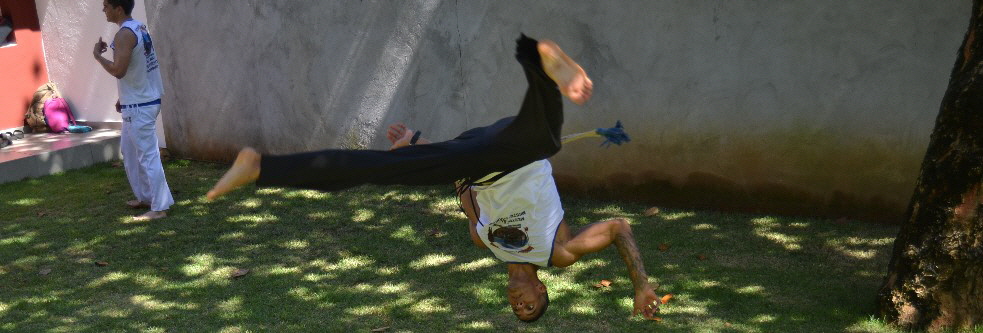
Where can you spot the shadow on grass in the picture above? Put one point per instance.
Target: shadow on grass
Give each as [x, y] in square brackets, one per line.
[398, 257]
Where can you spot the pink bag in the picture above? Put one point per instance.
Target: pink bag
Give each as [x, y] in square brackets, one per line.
[58, 115]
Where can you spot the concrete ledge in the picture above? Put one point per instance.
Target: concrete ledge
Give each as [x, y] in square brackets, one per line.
[44, 154]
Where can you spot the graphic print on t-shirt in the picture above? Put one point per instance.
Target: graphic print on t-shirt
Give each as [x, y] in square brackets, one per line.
[508, 233]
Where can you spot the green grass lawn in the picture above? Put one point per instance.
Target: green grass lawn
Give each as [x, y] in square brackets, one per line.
[400, 257]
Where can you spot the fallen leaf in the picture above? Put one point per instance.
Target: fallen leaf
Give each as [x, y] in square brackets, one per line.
[651, 211]
[240, 273]
[665, 298]
[701, 257]
[381, 329]
[663, 247]
[42, 214]
[603, 283]
[44, 271]
[656, 319]
[102, 263]
[728, 324]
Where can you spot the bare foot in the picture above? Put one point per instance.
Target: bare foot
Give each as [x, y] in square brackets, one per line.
[150, 215]
[244, 170]
[137, 204]
[567, 74]
[399, 135]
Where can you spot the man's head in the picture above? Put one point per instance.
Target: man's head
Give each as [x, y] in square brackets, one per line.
[527, 296]
[116, 10]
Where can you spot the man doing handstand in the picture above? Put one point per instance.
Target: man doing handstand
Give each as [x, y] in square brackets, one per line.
[502, 175]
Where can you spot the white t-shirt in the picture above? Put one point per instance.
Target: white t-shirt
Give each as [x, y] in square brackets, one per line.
[142, 82]
[519, 215]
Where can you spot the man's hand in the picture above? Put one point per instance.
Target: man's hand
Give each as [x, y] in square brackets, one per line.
[647, 303]
[399, 135]
[119, 109]
[99, 48]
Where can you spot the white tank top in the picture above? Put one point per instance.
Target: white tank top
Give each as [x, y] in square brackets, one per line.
[519, 215]
[142, 81]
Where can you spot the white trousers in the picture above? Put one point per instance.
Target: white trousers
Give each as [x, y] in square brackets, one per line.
[141, 157]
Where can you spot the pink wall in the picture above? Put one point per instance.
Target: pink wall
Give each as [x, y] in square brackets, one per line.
[22, 67]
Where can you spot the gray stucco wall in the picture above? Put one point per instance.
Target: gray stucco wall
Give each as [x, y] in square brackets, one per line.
[814, 107]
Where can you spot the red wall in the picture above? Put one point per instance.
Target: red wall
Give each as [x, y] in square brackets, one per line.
[22, 68]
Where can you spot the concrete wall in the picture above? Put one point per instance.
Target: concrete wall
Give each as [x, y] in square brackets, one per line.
[69, 29]
[801, 107]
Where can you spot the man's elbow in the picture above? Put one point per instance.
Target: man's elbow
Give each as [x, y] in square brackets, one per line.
[119, 74]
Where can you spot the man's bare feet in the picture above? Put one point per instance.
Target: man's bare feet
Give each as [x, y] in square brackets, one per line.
[150, 215]
[137, 204]
[399, 135]
[244, 170]
[567, 74]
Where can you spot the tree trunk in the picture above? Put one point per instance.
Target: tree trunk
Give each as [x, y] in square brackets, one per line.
[935, 277]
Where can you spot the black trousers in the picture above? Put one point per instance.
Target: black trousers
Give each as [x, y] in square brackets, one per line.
[505, 145]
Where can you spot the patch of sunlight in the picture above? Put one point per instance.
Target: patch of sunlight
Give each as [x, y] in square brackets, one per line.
[431, 260]
[488, 295]
[284, 270]
[232, 329]
[584, 265]
[305, 194]
[167, 233]
[870, 325]
[430, 305]
[677, 216]
[349, 263]
[111, 277]
[389, 288]
[763, 318]
[584, 306]
[23, 239]
[475, 265]
[769, 222]
[708, 283]
[254, 218]
[362, 215]
[610, 210]
[857, 241]
[750, 290]
[789, 242]
[478, 325]
[250, 203]
[230, 306]
[387, 271]
[367, 310]
[132, 231]
[118, 313]
[149, 281]
[295, 244]
[446, 207]
[859, 254]
[238, 235]
[406, 233]
[670, 266]
[269, 191]
[704, 226]
[799, 225]
[314, 277]
[4, 307]
[26, 202]
[305, 294]
[148, 302]
[200, 264]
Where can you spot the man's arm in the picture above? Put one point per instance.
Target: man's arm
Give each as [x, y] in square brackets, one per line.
[596, 237]
[125, 41]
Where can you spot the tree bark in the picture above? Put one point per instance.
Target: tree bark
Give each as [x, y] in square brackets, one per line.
[935, 276]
